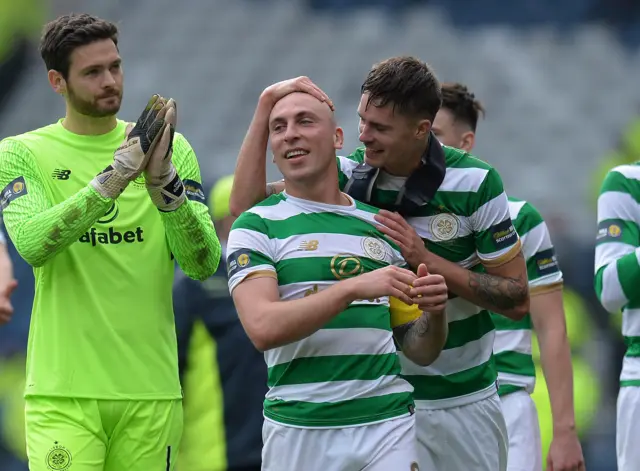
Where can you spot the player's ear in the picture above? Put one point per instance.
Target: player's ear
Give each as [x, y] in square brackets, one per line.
[467, 141]
[423, 128]
[57, 82]
[338, 138]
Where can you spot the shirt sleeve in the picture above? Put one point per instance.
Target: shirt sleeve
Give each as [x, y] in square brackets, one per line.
[543, 269]
[249, 250]
[346, 166]
[40, 230]
[617, 255]
[190, 232]
[497, 241]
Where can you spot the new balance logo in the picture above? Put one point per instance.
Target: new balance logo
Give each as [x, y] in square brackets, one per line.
[61, 174]
[309, 245]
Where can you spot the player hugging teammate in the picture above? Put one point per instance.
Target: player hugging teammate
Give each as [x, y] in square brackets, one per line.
[447, 213]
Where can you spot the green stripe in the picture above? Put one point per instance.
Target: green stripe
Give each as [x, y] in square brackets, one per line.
[339, 414]
[255, 258]
[615, 181]
[316, 269]
[633, 346]
[515, 363]
[487, 240]
[433, 388]
[362, 316]
[300, 224]
[598, 282]
[630, 383]
[468, 330]
[629, 274]
[528, 219]
[454, 250]
[503, 323]
[505, 389]
[333, 368]
[272, 200]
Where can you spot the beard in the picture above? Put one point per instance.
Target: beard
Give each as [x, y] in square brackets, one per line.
[107, 104]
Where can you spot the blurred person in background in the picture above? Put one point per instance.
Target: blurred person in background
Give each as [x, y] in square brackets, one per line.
[458, 224]
[238, 364]
[98, 208]
[19, 26]
[617, 278]
[455, 126]
[7, 282]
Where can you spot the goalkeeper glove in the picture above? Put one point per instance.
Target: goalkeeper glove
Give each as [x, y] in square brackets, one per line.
[163, 183]
[132, 156]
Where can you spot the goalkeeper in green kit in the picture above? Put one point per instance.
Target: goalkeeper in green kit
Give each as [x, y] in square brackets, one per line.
[102, 209]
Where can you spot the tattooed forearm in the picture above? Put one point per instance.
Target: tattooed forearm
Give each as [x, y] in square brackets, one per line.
[422, 340]
[499, 292]
[412, 333]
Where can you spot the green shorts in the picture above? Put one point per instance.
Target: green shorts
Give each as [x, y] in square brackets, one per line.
[97, 435]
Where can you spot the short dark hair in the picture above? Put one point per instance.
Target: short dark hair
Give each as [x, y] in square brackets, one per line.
[406, 82]
[63, 35]
[462, 104]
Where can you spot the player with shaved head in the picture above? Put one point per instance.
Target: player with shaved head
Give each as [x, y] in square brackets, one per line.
[323, 294]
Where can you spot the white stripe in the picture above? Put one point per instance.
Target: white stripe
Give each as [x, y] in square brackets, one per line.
[514, 208]
[489, 257]
[513, 341]
[536, 240]
[612, 297]
[453, 360]
[467, 179]
[491, 213]
[610, 252]
[629, 171]
[279, 212]
[631, 323]
[546, 280]
[523, 381]
[335, 391]
[617, 205]
[347, 165]
[630, 368]
[239, 277]
[333, 342]
[459, 309]
[299, 290]
[329, 245]
[247, 239]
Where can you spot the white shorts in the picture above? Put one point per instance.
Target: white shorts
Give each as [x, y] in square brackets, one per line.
[470, 437]
[628, 429]
[385, 446]
[525, 447]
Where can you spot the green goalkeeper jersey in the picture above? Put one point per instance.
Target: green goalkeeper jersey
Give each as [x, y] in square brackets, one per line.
[102, 324]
